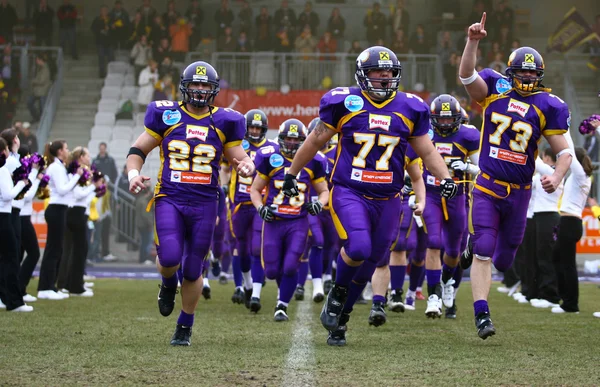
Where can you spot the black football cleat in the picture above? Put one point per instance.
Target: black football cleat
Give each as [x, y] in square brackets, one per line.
[485, 327]
[395, 301]
[215, 267]
[299, 293]
[377, 317]
[255, 304]
[451, 312]
[247, 298]
[337, 338]
[332, 310]
[281, 313]
[166, 300]
[466, 258]
[182, 336]
[238, 296]
[206, 292]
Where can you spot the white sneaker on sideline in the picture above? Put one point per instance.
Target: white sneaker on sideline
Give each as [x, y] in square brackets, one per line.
[518, 295]
[109, 258]
[29, 298]
[596, 314]
[2, 306]
[49, 295]
[88, 284]
[558, 310]
[522, 300]
[23, 308]
[89, 277]
[502, 289]
[448, 293]
[543, 304]
[87, 293]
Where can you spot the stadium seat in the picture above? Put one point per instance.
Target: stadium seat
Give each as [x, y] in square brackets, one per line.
[130, 92]
[129, 80]
[112, 92]
[139, 119]
[93, 146]
[108, 105]
[114, 80]
[103, 133]
[122, 133]
[107, 119]
[128, 123]
[118, 67]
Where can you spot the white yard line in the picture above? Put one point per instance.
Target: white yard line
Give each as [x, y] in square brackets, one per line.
[300, 362]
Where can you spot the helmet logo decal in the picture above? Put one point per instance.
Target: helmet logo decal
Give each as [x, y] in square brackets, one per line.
[529, 58]
[200, 70]
[293, 128]
[364, 56]
[257, 117]
[384, 55]
[446, 106]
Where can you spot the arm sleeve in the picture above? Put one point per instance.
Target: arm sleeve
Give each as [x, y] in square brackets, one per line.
[543, 168]
[320, 167]
[30, 194]
[261, 162]
[558, 117]
[331, 112]
[153, 124]
[576, 167]
[421, 123]
[236, 129]
[496, 82]
[62, 183]
[80, 192]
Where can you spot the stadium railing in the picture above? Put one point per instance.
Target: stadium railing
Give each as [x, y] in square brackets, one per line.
[302, 71]
[122, 205]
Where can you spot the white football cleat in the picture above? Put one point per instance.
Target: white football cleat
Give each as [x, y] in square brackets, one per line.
[513, 289]
[86, 293]
[409, 301]
[434, 307]
[448, 293]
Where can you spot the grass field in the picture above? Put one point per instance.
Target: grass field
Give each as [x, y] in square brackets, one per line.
[119, 337]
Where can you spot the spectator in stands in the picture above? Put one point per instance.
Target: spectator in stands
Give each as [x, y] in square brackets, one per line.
[43, 17]
[137, 29]
[101, 29]
[306, 43]
[163, 50]
[516, 43]
[491, 55]
[336, 25]
[206, 46]
[180, 38]
[40, 85]
[67, 19]
[355, 48]
[376, 23]
[399, 44]
[283, 43]
[476, 12]
[158, 30]
[4, 105]
[164, 89]
[148, 13]
[171, 16]
[419, 43]
[285, 17]
[226, 42]
[140, 54]
[105, 163]
[195, 16]
[445, 48]
[327, 45]
[28, 138]
[462, 39]
[400, 19]
[263, 30]
[245, 17]
[310, 17]
[502, 15]
[505, 38]
[148, 77]
[8, 20]
[498, 63]
[119, 24]
[9, 68]
[145, 224]
[224, 18]
[243, 44]
[166, 67]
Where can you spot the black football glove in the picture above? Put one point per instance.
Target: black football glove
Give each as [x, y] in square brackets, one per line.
[314, 208]
[449, 188]
[290, 185]
[266, 213]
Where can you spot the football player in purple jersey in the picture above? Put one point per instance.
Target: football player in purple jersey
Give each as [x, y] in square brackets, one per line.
[517, 111]
[376, 122]
[191, 134]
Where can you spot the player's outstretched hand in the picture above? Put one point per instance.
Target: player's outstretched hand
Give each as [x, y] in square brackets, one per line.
[136, 185]
[244, 168]
[449, 188]
[314, 208]
[550, 183]
[290, 185]
[477, 31]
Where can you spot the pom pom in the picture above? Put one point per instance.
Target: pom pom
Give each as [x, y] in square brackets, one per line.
[100, 191]
[44, 182]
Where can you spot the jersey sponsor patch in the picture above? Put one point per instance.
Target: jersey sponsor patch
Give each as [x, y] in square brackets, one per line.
[354, 103]
[276, 160]
[244, 188]
[372, 176]
[195, 131]
[171, 117]
[502, 85]
[378, 121]
[286, 210]
[190, 177]
[506, 155]
[432, 180]
[443, 148]
[521, 108]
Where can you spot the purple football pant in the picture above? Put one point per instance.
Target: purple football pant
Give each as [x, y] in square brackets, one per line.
[331, 240]
[367, 227]
[242, 221]
[184, 234]
[441, 232]
[315, 226]
[218, 243]
[407, 235]
[283, 243]
[497, 220]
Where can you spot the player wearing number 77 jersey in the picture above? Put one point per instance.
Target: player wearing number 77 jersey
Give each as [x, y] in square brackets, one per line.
[376, 122]
[518, 110]
[191, 135]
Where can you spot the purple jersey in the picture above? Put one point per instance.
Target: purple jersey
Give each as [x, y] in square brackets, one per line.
[239, 187]
[373, 138]
[272, 166]
[457, 146]
[512, 127]
[191, 147]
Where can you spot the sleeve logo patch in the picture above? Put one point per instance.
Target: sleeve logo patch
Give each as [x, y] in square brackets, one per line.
[502, 85]
[171, 117]
[354, 103]
[245, 144]
[521, 108]
[276, 160]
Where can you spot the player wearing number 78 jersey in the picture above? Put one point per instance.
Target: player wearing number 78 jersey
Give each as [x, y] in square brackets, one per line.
[518, 110]
[376, 122]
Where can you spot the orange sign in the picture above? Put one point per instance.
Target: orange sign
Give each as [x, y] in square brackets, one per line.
[39, 223]
[590, 242]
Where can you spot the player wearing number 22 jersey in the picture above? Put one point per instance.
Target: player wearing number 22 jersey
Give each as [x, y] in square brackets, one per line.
[375, 123]
[518, 111]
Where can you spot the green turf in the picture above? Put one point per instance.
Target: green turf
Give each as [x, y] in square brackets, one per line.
[119, 337]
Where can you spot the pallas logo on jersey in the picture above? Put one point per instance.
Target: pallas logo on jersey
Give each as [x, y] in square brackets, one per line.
[195, 131]
[377, 121]
[443, 148]
[521, 108]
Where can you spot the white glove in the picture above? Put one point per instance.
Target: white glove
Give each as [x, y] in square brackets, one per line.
[412, 202]
[459, 165]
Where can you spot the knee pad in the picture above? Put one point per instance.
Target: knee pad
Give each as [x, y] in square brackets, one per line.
[434, 241]
[192, 273]
[271, 272]
[358, 247]
[484, 244]
[168, 257]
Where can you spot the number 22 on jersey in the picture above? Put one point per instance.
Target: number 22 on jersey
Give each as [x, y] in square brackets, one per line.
[202, 156]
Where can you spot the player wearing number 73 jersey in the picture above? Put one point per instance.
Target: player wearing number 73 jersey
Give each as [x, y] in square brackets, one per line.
[518, 110]
[376, 122]
[192, 135]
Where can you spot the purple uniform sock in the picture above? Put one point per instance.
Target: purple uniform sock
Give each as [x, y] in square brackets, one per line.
[480, 306]
[433, 277]
[397, 274]
[315, 260]
[185, 319]
[416, 272]
[378, 298]
[170, 282]
[345, 273]
[257, 271]
[447, 272]
[236, 265]
[422, 278]
[354, 291]
[302, 272]
[287, 287]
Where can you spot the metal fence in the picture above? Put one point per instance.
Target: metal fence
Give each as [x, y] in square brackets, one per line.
[122, 205]
[312, 71]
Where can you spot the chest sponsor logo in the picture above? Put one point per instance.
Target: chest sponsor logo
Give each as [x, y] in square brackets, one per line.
[444, 148]
[353, 103]
[190, 177]
[521, 108]
[287, 210]
[377, 121]
[195, 131]
[372, 176]
[506, 155]
[171, 117]
[276, 160]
